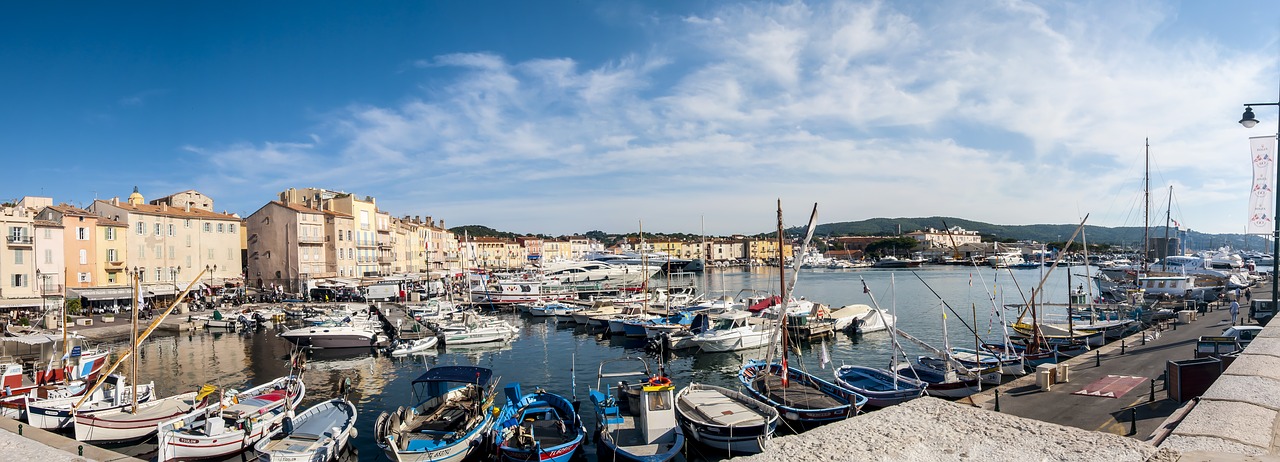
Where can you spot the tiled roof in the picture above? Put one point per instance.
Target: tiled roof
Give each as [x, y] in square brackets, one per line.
[104, 221]
[72, 210]
[177, 212]
[46, 223]
[296, 207]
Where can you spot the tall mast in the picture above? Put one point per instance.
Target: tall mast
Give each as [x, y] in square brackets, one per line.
[133, 375]
[1168, 217]
[782, 280]
[1146, 205]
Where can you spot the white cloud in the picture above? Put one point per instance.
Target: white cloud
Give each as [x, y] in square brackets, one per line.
[1009, 112]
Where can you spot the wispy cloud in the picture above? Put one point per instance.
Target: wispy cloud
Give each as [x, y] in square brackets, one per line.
[1009, 112]
[142, 97]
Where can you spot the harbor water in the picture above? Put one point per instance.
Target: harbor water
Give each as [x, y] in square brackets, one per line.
[563, 358]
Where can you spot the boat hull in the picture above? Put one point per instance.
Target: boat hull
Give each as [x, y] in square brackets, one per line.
[722, 426]
[120, 425]
[879, 386]
[848, 402]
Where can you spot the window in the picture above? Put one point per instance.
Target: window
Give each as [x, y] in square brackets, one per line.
[188, 261]
[158, 232]
[19, 280]
[188, 240]
[170, 251]
[17, 256]
[82, 234]
[157, 274]
[140, 228]
[211, 254]
[110, 233]
[208, 227]
[230, 256]
[172, 231]
[82, 277]
[84, 257]
[48, 233]
[220, 227]
[111, 278]
[48, 257]
[339, 235]
[186, 223]
[159, 252]
[231, 228]
[111, 255]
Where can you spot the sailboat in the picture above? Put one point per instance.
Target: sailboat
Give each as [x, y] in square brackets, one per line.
[802, 398]
[139, 420]
[1065, 340]
[881, 387]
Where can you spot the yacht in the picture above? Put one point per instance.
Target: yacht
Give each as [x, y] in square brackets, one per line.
[733, 331]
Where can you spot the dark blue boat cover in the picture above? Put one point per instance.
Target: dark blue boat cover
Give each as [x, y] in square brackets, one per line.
[461, 374]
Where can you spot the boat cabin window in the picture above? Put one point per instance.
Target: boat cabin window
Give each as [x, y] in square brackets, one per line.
[723, 324]
[658, 401]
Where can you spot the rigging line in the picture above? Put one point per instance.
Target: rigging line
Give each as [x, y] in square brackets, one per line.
[944, 303]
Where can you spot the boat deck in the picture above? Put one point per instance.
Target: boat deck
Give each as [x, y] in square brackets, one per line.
[795, 395]
[718, 409]
[438, 428]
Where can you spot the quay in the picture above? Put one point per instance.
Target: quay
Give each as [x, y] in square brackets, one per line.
[1236, 419]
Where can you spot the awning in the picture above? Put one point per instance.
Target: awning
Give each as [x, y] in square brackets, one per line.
[31, 339]
[159, 290]
[20, 302]
[101, 293]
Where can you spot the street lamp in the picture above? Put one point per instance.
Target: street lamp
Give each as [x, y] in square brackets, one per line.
[1249, 121]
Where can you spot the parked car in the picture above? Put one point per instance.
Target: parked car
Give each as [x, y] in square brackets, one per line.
[1242, 334]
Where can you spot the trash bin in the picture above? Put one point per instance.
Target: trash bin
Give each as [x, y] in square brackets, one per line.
[1190, 378]
[1186, 316]
[1064, 373]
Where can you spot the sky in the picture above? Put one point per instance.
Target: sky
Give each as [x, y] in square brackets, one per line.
[561, 117]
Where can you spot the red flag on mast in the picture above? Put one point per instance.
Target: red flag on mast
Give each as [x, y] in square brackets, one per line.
[785, 382]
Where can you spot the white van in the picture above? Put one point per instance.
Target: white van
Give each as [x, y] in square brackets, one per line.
[381, 292]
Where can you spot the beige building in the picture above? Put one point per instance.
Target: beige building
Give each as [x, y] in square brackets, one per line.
[79, 230]
[113, 250]
[340, 245]
[170, 245]
[956, 236]
[20, 287]
[286, 246]
[723, 250]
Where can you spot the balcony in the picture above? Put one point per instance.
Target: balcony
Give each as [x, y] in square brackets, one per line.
[384, 244]
[311, 239]
[47, 290]
[114, 266]
[19, 240]
[386, 259]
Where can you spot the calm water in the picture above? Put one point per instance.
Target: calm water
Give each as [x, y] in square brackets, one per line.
[545, 354]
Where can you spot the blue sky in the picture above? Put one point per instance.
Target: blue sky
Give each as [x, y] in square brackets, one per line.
[560, 117]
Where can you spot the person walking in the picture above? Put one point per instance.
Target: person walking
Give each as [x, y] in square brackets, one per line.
[1248, 295]
[1235, 311]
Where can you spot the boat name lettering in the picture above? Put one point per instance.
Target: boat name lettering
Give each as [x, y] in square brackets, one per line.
[188, 440]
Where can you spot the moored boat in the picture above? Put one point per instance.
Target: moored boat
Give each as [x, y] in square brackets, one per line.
[882, 388]
[55, 413]
[318, 434]
[447, 419]
[537, 426]
[635, 421]
[725, 419]
[129, 424]
[218, 431]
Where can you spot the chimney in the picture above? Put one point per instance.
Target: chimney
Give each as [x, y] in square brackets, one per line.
[441, 224]
[188, 207]
[115, 201]
[164, 206]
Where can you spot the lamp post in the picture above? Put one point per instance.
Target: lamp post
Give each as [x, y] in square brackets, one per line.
[1249, 120]
[211, 269]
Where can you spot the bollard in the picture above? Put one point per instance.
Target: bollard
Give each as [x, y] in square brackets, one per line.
[19, 429]
[1097, 358]
[1175, 325]
[1144, 336]
[1133, 421]
[80, 451]
[1121, 347]
[997, 400]
[1152, 398]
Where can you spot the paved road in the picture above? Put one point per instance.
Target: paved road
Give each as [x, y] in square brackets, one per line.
[1111, 415]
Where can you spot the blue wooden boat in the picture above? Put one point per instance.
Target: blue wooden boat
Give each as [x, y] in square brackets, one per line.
[804, 399]
[882, 388]
[446, 421]
[538, 426]
[635, 421]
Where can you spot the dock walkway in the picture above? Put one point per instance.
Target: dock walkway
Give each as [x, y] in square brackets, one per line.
[1128, 357]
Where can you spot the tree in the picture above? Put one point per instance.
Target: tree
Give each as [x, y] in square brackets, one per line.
[73, 306]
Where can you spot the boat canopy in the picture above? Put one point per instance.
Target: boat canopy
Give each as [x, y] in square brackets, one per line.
[461, 374]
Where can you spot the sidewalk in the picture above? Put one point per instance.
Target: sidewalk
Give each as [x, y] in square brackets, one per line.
[1125, 357]
[35, 444]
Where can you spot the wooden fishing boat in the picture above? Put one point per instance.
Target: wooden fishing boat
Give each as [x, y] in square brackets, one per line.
[319, 434]
[447, 419]
[882, 388]
[726, 419]
[540, 426]
[221, 431]
[635, 421]
[129, 424]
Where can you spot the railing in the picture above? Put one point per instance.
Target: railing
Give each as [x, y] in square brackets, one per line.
[311, 239]
[19, 240]
[51, 289]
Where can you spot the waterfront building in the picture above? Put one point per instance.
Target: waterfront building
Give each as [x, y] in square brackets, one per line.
[286, 246]
[340, 245]
[557, 250]
[672, 248]
[82, 262]
[17, 264]
[762, 250]
[51, 269]
[725, 250]
[112, 251]
[533, 248]
[581, 246]
[169, 245]
[955, 236]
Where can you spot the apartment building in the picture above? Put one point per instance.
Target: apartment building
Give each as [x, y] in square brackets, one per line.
[950, 238]
[287, 246]
[19, 289]
[170, 245]
[79, 251]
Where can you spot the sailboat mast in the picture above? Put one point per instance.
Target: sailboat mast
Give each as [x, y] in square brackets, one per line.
[782, 280]
[1168, 217]
[133, 374]
[1146, 206]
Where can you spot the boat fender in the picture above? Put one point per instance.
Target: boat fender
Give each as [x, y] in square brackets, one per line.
[248, 427]
[659, 381]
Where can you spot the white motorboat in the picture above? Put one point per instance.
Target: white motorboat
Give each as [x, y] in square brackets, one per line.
[336, 335]
[862, 318]
[469, 328]
[409, 347]
[732, 331]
